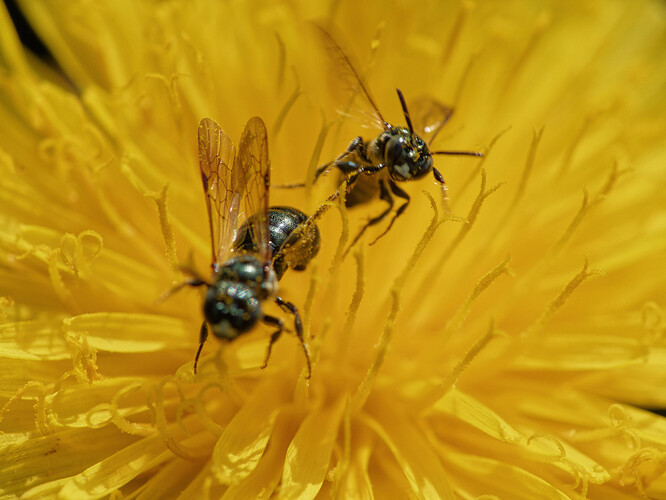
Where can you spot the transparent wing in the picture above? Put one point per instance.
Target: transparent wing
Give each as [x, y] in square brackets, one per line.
[252, 169]
[216, 162]
[348, 78]
[429, 116]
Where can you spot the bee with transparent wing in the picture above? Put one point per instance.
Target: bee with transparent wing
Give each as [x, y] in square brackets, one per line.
[243, 257]
[396, 155]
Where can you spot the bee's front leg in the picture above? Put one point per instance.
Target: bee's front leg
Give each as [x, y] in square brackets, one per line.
[356, 147]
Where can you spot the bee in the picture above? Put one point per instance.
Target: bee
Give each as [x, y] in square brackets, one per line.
[396, 155]
[247, 261]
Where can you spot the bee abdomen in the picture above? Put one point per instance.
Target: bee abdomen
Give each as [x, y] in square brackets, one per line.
[289, 249]
[281, 223]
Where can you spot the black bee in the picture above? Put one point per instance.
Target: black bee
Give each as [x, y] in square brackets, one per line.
[398, 154]
[247, 261]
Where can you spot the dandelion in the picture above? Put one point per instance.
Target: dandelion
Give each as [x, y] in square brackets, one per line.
[508, 351]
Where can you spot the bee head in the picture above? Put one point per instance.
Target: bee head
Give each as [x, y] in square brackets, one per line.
[407, 156]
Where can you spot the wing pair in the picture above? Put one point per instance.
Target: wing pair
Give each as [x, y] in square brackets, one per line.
[429, 115]
[235, 184]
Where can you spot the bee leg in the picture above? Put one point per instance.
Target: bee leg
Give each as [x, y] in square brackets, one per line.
[203, 335]
[293, 185]
[345, 167]
[445, 197]
[354, 146]
[353, 178]
[193, 282]
[291, 308]
[324, 168]
[385, 195]
[348, 167]
[273, 321]
[398, 191]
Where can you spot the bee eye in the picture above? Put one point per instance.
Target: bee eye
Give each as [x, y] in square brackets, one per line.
[394, 153]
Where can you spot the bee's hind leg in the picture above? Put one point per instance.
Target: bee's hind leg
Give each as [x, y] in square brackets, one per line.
[203, 336]
[298, 325]
[273, 321]
[399, 192]
[385, 195]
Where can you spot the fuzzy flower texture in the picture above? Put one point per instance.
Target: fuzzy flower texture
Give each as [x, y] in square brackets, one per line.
[510, 348]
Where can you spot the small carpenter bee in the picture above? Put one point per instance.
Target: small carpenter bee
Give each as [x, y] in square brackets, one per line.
[398, 154]
[247, 261]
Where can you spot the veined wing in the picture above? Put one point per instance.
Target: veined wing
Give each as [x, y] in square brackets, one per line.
[349, 77]
[216, 162]
[252, 172]
[429, 116]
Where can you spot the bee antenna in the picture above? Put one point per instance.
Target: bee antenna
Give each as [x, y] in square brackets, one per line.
[405, 111]
[458, 153]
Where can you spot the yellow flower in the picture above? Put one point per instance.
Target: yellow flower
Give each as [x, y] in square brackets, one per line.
[505, 352]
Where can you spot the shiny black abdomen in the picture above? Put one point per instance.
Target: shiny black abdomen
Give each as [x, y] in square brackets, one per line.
[287, 252]
[281, 222]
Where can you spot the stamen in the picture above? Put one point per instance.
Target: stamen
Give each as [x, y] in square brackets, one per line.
[643, 467]
[54, 275]
[586, 205]
[314, 158]
[282, 64]
[315, 281]
[282, 115]
[471, 218]
[352, 310]
[527, 170]
[365, 387]
[543, 21]
[121, 422]
[580, 476]
[456, 322]
[344, 233]
[172, 90]
[479, 165]
[162, 427]
[478, 346]
[160, 200]
[620, 425]
[654, 322]
[567, 159]
[560, 299]
[462, 82]
[458, 24]
[41, 422]
[84, 358]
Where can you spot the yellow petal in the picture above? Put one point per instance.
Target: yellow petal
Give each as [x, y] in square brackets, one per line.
[412, 451]
[480, 476]
[120, 332]
[244, 439]
[309, 453]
